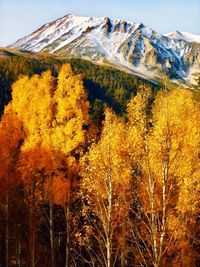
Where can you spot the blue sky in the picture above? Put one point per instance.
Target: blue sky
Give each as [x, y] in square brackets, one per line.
[20, 17]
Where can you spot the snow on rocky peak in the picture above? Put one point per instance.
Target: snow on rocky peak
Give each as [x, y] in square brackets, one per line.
[118, 42]
[186, 36]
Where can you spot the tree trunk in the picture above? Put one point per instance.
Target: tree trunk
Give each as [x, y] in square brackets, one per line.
[51, 221]
[164, 209]
[67, 214]
[122, 258]
[110, 193]
[109, 224]
[19, 249]
[153, 226]
[32, 241]
[7, 230]
[32, 225]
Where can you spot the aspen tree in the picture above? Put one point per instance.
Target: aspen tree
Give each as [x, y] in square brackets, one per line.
[53, 112]
[106, 178]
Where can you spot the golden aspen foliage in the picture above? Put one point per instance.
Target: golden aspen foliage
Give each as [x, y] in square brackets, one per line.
[170, 152]
[105, 184]
[53, 113]
[32, 102]
[108, 155]
[71, 114]
[164, 154]
[175, 137]
[189, 195]
[137, 125]
[170, 140]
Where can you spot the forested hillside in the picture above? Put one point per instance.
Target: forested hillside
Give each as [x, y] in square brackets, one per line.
[97, 167]
[105, 85]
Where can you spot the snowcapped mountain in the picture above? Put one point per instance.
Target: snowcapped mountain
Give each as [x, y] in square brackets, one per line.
[124, 44]
[186, 36]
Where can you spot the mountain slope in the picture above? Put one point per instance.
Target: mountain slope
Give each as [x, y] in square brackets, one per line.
[105, 85]
[117, 42]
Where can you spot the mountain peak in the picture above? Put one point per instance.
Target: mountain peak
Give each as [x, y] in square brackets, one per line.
[130, 45]
[185, 36]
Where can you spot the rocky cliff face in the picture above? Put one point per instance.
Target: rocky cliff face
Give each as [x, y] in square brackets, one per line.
[120, 43]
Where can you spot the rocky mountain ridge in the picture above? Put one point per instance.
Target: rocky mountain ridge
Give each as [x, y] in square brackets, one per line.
[119, 43]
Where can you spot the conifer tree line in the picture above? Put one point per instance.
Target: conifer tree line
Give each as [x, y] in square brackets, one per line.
[121, 191]
[104, 84]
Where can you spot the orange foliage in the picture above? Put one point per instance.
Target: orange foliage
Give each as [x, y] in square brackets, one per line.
[11, 138]
[44, 168]
[60, 189]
